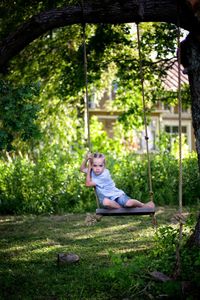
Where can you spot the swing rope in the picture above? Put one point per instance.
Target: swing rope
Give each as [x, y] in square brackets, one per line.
[180, 122]
[178, 258]
[144, 113]
[86, 96]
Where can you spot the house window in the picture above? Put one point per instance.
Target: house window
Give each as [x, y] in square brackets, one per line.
[92, 100]
[185, 110]
[113, 90]
[173, 130]
[166, 106]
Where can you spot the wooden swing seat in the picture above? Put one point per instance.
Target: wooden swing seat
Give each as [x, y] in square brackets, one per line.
[125, 211]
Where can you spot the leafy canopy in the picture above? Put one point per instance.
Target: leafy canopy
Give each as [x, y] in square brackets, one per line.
[55, 63]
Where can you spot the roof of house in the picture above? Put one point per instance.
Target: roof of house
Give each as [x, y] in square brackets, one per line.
[171, 81]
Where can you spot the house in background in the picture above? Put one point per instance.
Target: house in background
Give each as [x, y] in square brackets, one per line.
[164, 118]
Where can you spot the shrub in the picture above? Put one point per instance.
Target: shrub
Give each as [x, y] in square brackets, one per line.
[52, 182]
[131, 174]
[164, 259]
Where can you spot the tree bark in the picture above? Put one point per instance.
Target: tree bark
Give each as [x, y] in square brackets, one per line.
[194, 239]
[193, 58]
[191, 47]
[95, 11]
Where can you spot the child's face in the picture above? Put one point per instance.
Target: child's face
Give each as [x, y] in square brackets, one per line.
[98, 165]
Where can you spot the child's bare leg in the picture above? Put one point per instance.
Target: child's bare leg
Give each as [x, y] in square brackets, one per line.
[149, 204]
[110, 204]
[136, 203]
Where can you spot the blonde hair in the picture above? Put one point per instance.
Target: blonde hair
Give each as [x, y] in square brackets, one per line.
[99, 155]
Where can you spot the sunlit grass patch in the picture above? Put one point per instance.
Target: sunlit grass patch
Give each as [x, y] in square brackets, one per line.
[114, 256]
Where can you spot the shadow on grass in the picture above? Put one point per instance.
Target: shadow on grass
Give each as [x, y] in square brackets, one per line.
[30, 244]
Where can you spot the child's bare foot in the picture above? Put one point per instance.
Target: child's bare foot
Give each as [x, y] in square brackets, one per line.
[149, 204]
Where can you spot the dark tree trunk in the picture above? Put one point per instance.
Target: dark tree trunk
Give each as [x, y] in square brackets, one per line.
[194, 239]
[193, 58]
[192, 63]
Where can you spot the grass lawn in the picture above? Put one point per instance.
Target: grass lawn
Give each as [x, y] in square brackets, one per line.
[114, 261]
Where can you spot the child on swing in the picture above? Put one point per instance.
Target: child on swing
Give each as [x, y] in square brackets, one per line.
[108, 194]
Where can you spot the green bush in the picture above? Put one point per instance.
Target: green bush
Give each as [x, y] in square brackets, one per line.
[52, 182]
[131, 174]
[163, 258]
[191, 180]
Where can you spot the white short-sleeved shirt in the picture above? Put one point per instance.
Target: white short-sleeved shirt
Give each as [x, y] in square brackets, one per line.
[105, 186]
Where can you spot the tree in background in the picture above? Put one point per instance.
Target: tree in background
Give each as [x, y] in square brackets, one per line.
[18, 113]
[55, 63]
[55, 15]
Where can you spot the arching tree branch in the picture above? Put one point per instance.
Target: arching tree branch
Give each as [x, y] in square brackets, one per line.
[95, 11]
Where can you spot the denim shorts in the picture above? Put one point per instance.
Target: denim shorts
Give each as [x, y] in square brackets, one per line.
[122, 200]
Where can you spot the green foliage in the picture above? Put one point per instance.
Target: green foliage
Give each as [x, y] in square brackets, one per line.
[157, 57]
[164, 257]
[165, 173]
[48, 178]
[191, 187]
[170, 97]
[166, 242]
[161, 40]
[13, 13]
[55, 60]
[39, 187]
[50, 182]
[131, 174]
[126, 274]
[18, 112]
